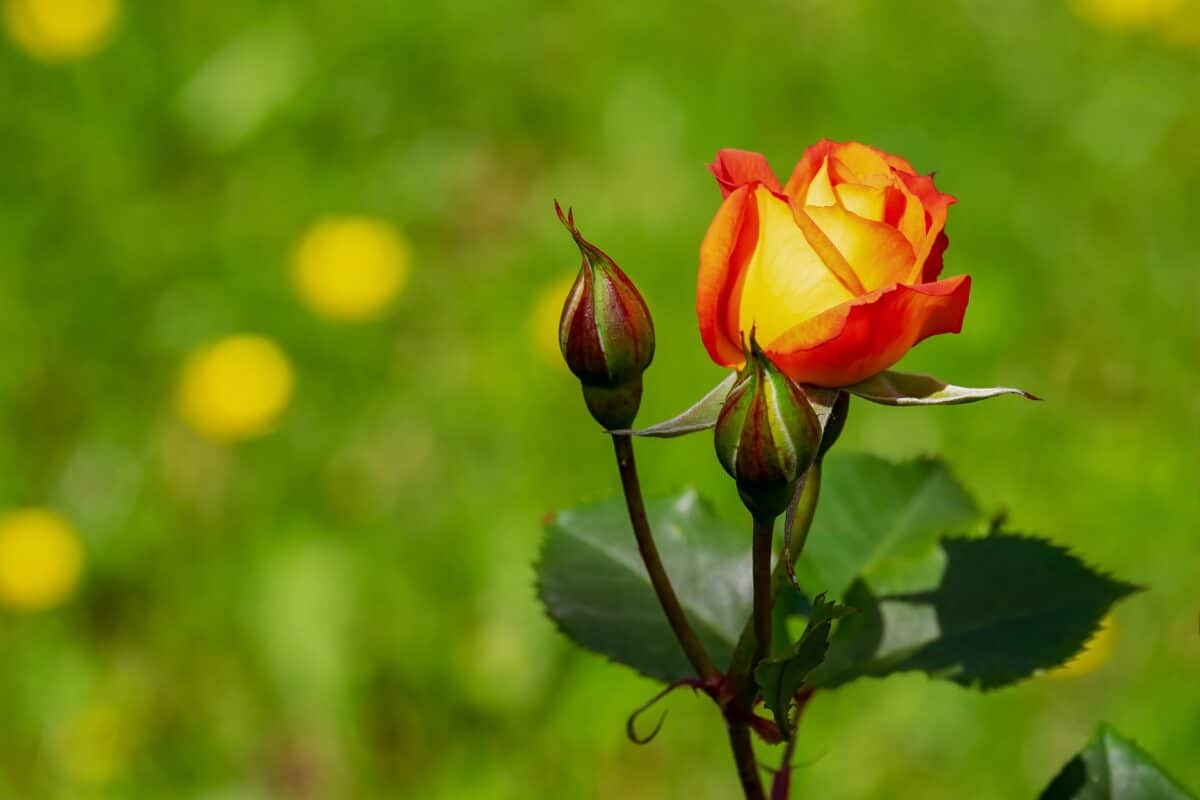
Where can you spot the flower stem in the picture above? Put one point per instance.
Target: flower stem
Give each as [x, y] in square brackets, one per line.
[743, 756]
[692, 646]
[764, 532]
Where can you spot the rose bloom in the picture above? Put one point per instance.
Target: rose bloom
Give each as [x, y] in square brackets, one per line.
[836, 271]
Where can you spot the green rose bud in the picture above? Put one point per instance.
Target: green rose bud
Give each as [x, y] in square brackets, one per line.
[767, 435]
[606, 334]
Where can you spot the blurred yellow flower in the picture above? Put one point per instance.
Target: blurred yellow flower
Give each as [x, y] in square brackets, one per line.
[1121, 14]
[543, 321]
[348, 269]
[60, 30]
[41, 559]
[235, 388]
[1183, 26]
[1095, 654]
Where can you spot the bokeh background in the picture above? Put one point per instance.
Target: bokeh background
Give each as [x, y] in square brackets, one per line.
[281, 405]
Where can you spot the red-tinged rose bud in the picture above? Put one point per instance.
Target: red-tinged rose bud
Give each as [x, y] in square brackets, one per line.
[606, 334]
[767, 435]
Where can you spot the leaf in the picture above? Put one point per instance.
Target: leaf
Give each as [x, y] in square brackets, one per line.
[1113, 768]
[780, 677]
[1004, 607]
[594, 586]
[703, 415]
[907, 389]
[873, 512]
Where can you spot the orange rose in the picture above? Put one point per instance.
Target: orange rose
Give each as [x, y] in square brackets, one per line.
[837, 270]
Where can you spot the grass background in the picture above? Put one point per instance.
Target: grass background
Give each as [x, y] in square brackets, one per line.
[344, 608]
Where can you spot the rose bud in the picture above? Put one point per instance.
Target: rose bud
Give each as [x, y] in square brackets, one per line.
[767, 434]
[606, 334]
[838, 268]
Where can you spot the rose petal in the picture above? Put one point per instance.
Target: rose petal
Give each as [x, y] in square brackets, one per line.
[877, 253]
[855, 340]
[735, 168]
[807, 168]
[785, 279]
[727, 247]
[867, 202]
[907, 215]
[827, 164]
[936, 204]
[758, 268]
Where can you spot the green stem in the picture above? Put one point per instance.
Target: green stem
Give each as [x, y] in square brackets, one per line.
[764, 532]
[692, 646]
[741, 665]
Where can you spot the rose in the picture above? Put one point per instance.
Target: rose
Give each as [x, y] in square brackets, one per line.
[837, 270]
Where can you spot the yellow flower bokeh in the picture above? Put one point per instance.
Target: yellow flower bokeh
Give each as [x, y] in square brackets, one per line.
[1183, 26]
[61, 30]
[348, 269]
[41, 559]
[235, 388]
[1124, 14]
[543, 320]
[1095, 654]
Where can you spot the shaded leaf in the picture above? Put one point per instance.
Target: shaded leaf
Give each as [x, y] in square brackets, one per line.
[1113, 768]
[1004, 607]
[873, 511]
[701, 416]
[594, 586]
[780, 677]
[908, 389]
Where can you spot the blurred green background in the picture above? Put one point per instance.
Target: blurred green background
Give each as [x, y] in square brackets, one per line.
[298, 565]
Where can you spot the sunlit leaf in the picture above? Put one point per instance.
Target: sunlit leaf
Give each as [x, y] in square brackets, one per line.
[780, 677]
[907, 389]
[1113, 768]
[873, 511]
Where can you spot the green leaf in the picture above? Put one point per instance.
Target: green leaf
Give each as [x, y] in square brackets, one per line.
[1003, 607]
[703, 415]
[874, 513]
[594, 586]
[906, 389]
[780, 677]
[1113, 768]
